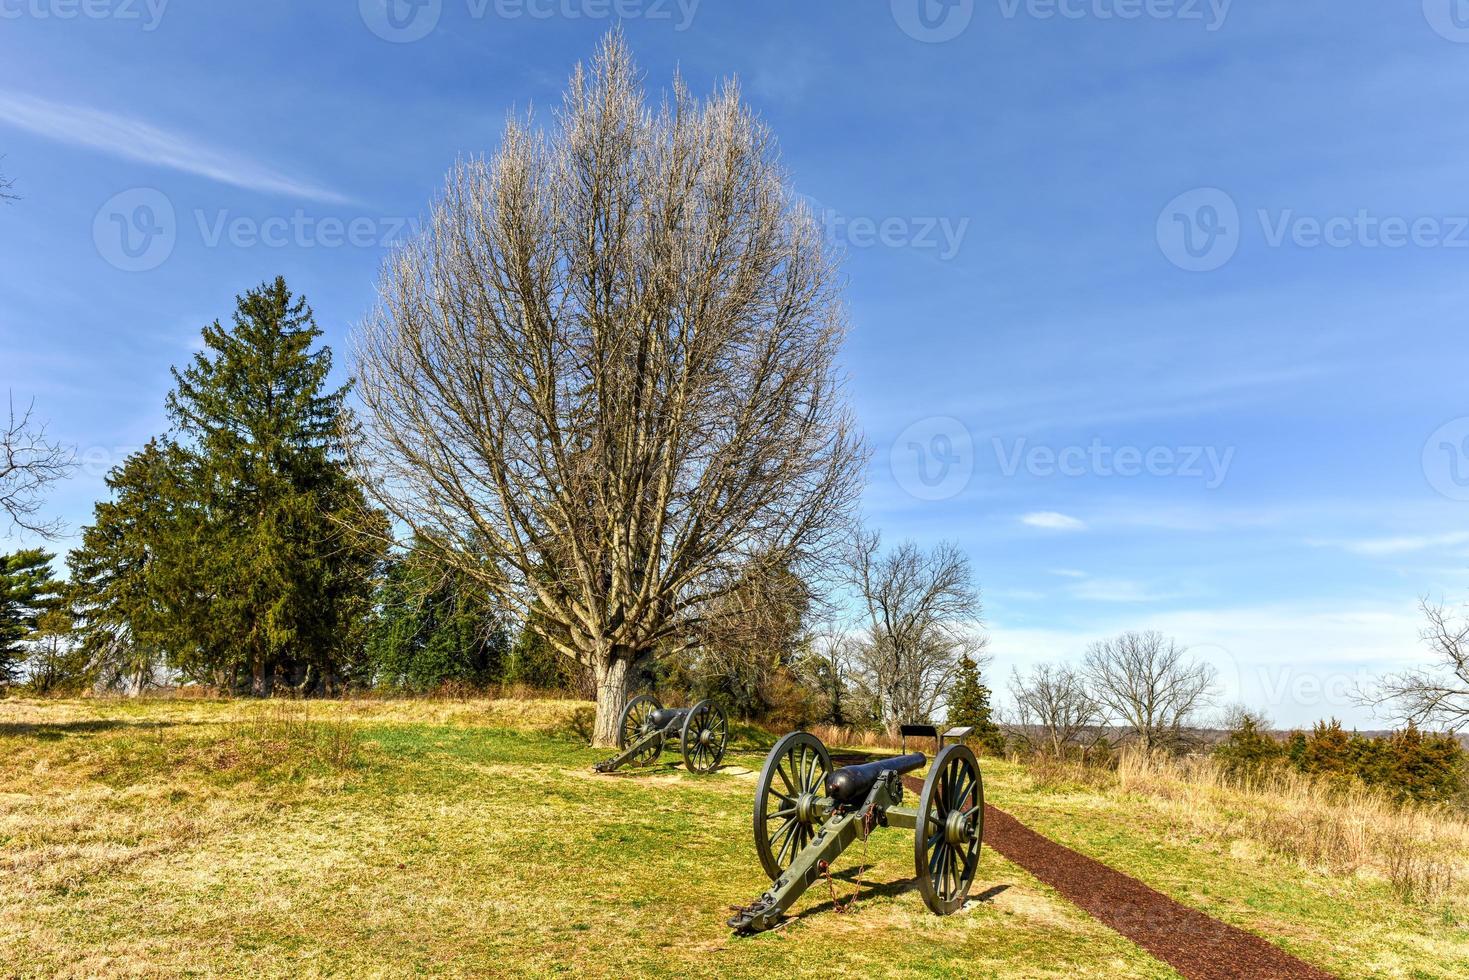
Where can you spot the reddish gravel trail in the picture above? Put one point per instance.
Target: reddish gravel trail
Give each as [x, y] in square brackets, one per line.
[1197, 946]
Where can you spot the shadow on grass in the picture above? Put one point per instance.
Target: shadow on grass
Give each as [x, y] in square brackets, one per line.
[850, 902]
[662, 768]
[55, 730]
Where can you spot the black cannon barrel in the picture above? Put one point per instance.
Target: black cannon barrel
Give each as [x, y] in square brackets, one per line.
[664, 717]
[851, 783]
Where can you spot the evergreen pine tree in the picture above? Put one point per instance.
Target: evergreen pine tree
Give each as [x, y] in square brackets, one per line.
[28, 590]
[243, 552]
[1248, 751]
[1327, 751]
[1295, 749]
[289, 577]
[969, 705]
[1417, 765]
[534, 661]
[433, 627]
[133, 589]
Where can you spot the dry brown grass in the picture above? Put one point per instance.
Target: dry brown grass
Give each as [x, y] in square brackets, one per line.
[1422, 852]
[547, 715]
[845, 736]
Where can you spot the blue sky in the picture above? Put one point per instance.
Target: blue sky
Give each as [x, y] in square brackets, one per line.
[1158, 306]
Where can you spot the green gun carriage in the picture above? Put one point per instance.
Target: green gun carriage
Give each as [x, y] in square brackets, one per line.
[807, 814]
[702, 732]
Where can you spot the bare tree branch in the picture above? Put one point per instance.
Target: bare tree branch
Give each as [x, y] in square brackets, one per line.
[29, 464]
[1054, 710]
[1147, 682]
[830, 668]
[1435, 695]
[922, 614]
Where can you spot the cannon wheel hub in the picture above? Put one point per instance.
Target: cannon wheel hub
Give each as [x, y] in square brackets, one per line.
[806, 808]
[957, 830]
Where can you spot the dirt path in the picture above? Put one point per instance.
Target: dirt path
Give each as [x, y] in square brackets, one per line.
[1199, 947]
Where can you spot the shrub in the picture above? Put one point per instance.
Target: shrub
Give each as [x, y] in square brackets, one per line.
[1248, 751]
[1408, 764]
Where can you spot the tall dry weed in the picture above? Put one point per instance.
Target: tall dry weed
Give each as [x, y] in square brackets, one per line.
[1341, 829]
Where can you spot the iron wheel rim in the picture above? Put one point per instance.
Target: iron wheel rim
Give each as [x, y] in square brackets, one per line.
[703, 754]
[953, 797]
[634, 725]
[795, 769]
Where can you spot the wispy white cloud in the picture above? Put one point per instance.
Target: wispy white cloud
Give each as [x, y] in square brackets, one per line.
[1166, 517]
[1050, 520]
[1068, 573]
[134, 139]
[1015, 595]
[1400, 545]
[1072, 406]
[1119, 590]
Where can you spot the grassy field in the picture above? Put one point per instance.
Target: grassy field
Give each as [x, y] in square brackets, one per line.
[393, 838]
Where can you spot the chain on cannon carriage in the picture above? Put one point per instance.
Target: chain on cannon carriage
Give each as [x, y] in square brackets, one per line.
[702, 732]
[807, 813]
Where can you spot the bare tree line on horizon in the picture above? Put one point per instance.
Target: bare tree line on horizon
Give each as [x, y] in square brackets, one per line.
[1141, 685]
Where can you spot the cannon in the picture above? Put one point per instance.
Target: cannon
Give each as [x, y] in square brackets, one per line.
[807, 814]
[646, 726]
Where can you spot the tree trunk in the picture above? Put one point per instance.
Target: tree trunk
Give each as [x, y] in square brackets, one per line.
[611, 672]
[262, 679]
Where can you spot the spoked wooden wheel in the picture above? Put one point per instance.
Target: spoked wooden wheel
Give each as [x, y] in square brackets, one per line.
[637, 721]
[791, 783]
[949, 828]
[705, 734]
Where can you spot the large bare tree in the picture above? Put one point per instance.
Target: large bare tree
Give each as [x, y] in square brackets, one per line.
[922, 615]
[603, 378]
[1149, 684]
[830, 668]
[1054, 709]
[1437, 695]
[29, 463]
